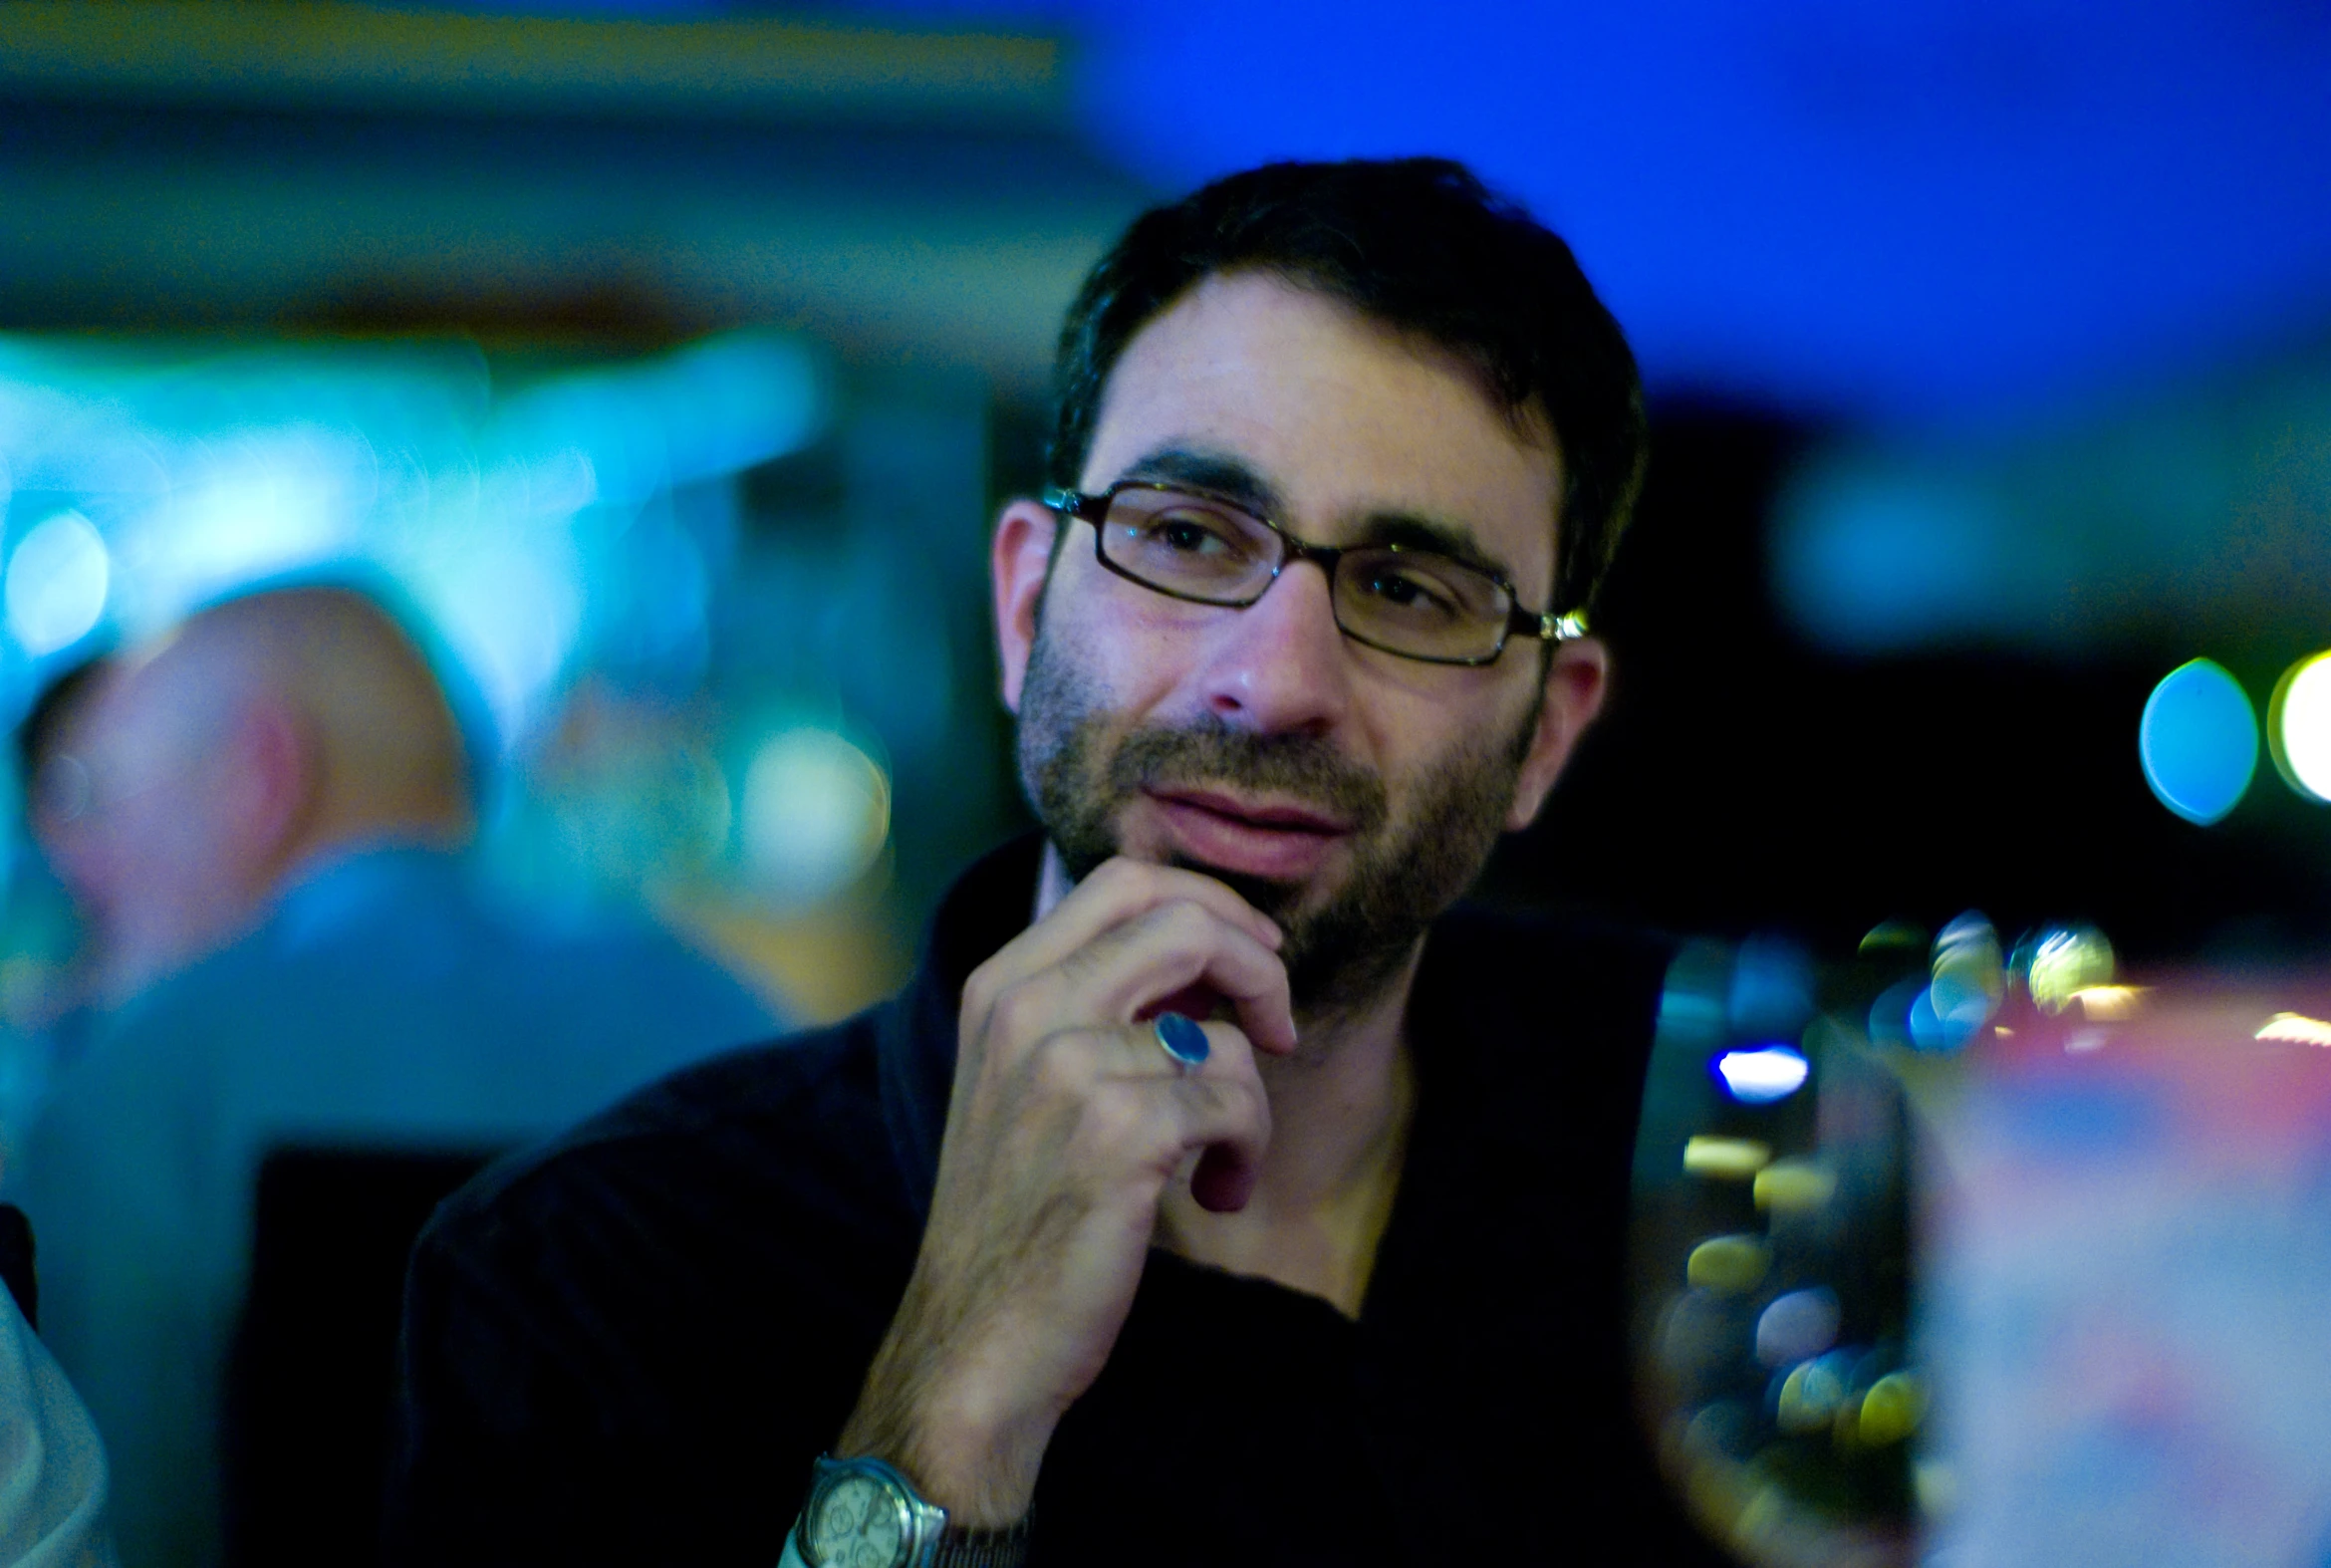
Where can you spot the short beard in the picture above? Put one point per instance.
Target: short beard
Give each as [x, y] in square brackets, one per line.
[1341, 952]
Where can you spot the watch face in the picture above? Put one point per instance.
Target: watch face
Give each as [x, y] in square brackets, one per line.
[858, 1522]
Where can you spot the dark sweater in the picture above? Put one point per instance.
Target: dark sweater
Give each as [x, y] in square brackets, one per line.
[628, 1347]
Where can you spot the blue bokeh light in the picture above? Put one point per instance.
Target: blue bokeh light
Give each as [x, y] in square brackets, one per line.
[2199, 741]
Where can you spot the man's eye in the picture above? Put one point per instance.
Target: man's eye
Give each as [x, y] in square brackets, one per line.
[1189, 534]
[1409, 591]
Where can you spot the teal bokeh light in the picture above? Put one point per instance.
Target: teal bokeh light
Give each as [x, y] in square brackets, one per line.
[2199, 741]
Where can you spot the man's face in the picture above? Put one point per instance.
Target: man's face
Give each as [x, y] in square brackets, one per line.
[1349, 793]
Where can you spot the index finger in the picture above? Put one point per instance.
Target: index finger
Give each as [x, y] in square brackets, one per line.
[1118, 891]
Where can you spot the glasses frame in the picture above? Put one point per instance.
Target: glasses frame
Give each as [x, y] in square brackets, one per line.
[1092, 506]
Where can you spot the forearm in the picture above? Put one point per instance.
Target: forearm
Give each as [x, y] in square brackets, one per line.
[960, 1432]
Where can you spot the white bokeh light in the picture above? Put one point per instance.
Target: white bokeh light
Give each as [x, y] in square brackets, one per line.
[816, 813]
[2301, 726]
[58, 577]
[1760, 1077]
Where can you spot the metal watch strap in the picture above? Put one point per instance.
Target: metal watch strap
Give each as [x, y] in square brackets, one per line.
[962, 1548]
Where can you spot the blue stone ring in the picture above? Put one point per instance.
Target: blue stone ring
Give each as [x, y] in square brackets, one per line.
[1183, 1040]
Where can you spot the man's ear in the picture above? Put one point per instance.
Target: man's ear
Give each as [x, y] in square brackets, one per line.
[1018, 561]
[277, 777]
[1577, 678]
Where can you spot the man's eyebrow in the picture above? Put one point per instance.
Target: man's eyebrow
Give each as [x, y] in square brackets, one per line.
[1412, 532]
[1215, 474]
[1234, 481]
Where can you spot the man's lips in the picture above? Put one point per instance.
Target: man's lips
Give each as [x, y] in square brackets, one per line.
[1277, 841]
[1270, 818]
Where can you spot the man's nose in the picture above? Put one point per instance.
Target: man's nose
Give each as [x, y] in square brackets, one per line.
[1280, 664]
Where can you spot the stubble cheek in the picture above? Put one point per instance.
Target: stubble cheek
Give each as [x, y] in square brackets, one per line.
[1062, 746]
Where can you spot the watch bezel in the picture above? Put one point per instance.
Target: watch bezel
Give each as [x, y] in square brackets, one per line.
[905, 1506]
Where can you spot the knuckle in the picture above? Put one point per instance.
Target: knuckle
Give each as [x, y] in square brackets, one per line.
[1117, 1115]
[1017, 1011]
[1061, 1064]
[1121, 874]
[1256, 1105]
[1186, 923]
[979, 994]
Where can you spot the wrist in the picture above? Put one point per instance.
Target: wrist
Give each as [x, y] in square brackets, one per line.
[964, 1431]
[983, 1472]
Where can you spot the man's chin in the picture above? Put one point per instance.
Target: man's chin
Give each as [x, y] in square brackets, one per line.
[1278, 900]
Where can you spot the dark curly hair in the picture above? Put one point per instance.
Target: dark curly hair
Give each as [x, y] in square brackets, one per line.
[1421, 245]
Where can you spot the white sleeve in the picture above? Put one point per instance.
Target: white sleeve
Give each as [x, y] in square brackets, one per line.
[792, 1557]
[52, 1465]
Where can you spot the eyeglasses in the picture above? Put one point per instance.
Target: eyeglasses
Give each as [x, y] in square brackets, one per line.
[1417, 603]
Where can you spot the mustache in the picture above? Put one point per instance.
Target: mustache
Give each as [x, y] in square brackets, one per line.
[1306, 767]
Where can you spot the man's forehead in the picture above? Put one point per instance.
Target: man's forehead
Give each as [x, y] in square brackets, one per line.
[1333, 416]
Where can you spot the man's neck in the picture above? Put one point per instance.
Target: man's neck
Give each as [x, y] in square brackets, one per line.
[1341, 1107]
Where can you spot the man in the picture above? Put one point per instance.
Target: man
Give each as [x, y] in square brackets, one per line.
[263, 821]
[1231, 1209]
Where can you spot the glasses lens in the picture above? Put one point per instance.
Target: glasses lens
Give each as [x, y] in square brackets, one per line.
[1414, 601]
[1188, 545]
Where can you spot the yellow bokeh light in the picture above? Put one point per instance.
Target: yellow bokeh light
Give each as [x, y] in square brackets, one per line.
[1794, 1185]
[2109, 1004]
[1730, 1264]
[1890, 1411]
[2298, 726]
[2066, 962]
[1725, 1159]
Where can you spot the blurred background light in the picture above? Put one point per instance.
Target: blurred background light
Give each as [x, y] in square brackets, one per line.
[2199, 741]
[1891, 1410]
[814, 813]
[1771, 990]
[1810, 1394]
[2298, 726]
[1725, 1159]
[58, 574]
[1732, 1264]
[1762, 1076]
[1967, 982]
[1876, 560]
[2295, 1029]
[482, 495]
[1793, 1186]
[2065, 961]
[1797, 1326]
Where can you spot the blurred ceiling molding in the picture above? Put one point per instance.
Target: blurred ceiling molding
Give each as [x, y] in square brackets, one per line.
[329, 56]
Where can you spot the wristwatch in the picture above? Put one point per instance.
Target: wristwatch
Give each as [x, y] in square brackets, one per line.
[861, 1513]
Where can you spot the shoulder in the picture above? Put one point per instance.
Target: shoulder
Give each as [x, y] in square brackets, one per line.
[585, 961]
[674, 1301]
[727, 1150]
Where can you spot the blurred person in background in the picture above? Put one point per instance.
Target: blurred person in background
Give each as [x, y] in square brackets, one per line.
[47, 1002]
[267, 814]
[1213, 1193]
[55, 787]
